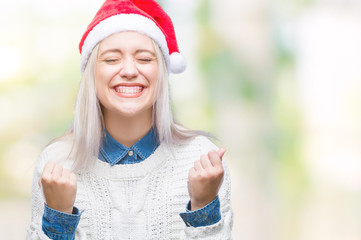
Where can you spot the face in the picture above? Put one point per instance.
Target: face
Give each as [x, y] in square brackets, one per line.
[126, 74]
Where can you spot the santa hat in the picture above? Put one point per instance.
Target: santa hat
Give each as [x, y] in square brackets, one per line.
[143, 16]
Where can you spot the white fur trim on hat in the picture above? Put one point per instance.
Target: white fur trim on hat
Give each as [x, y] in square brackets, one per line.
[121, 23]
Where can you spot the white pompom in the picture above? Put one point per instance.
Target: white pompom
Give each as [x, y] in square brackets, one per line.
[177, 63]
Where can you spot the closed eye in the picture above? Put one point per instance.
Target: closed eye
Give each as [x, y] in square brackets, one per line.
[110, 60]
[145, 60]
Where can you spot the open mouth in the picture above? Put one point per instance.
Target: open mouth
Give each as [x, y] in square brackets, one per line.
[130, 91]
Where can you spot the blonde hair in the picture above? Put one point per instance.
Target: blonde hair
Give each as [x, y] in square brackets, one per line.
[88, 126]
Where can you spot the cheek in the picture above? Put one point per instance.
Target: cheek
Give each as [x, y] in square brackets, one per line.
[103, 79]
[101, 86]
[104, 73]
[100, 75]
[153, 80]
[152, 75]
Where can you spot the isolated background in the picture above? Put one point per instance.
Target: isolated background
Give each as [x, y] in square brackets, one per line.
[277, 81]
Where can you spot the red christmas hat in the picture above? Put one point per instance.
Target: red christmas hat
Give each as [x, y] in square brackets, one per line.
[143, 16]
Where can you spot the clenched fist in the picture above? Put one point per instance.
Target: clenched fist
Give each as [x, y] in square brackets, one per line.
[205, 179]
[59, 187]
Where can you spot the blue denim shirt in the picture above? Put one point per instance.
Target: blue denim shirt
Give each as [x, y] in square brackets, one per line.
[58, 225]
[113, 152]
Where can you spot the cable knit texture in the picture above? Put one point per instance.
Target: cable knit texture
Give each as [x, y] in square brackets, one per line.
[135, 201]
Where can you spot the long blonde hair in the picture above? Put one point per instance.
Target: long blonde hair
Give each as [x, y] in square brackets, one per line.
[88, 126]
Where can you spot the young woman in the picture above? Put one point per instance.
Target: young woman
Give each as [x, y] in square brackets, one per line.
[126, 169]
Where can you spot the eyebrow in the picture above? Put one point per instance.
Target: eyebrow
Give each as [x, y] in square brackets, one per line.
[146, 50]
[110, 50]
[119, 51]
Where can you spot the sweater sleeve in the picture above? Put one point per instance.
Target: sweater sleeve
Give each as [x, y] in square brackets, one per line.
[35, 231]
[222, 230]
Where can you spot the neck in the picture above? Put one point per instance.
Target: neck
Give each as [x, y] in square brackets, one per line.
[127, 130]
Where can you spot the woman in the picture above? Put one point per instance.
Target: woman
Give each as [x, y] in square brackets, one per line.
[126, 169]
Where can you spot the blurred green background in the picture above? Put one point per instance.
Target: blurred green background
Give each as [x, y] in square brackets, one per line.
[278, 82]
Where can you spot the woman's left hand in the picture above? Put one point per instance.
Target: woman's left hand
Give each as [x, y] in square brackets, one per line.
[205, 179]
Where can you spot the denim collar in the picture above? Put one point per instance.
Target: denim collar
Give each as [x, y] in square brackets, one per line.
[113, 152]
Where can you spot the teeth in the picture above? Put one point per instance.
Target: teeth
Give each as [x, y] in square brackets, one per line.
[123, 89]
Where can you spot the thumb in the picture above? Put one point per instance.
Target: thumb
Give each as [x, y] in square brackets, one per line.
[221, 152]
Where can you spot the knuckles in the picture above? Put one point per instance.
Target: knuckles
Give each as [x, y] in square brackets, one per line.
[61, 182]
[49, 179]
[203, 176]
[212, 153]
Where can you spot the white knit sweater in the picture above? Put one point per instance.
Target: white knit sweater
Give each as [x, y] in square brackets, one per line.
[135, 201]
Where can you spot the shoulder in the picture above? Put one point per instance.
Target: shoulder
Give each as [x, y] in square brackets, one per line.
[58, 151]
[204, 144]
[200, 144]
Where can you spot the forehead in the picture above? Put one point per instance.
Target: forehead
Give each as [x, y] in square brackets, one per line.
[126, 40]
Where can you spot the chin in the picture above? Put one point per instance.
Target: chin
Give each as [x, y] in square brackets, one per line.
[133, 112]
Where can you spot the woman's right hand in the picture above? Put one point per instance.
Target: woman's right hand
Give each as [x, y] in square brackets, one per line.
[59, 186]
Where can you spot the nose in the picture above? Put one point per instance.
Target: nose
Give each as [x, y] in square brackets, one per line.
[129, 69]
